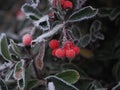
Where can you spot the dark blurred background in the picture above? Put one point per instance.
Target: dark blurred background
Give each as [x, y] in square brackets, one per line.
[15, 4]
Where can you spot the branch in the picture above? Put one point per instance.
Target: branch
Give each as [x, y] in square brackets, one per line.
[6, 65]
[48, 34]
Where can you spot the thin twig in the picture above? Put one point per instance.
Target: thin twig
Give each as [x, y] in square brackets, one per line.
[48, 34]
[6, 65]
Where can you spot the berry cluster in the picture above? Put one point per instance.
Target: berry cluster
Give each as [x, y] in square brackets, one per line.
[68, 49]
[65, 4]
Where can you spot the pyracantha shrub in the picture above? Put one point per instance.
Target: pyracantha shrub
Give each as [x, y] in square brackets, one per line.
[45, 58]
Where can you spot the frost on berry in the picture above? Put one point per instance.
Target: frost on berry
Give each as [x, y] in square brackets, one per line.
[54, 44]
[27, 39]
[60, 53]
[70, 53]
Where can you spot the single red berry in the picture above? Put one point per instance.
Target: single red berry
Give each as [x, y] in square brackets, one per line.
[27, 39]
[53, 52]
[54, 44]
[60, 53]
[68, 44]
[70, 53]
[76, 49]
[67, 5]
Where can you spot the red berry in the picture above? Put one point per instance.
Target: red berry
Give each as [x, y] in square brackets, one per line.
[53, 52]
[68, 44]
[60, 53]
[67, 5]
[70, 53]
[62, 2]
[27, 39]
[76, 49]
[53, 44]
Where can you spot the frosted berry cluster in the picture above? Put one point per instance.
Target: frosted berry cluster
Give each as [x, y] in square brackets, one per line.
[65, 4]
[68, 49]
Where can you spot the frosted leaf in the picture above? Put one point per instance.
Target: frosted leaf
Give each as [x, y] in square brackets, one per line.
[43, 23]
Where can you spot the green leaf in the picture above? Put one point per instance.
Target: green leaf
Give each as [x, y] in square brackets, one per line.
[93, 38]
[60, 84]
[14, 47]
[104, 12]
[83, 84]
[31, 12]
[114, 14]
[31, 84]
[4, 47]
[33, 17]
[99, 35]
[76, 32]
[28, 69]
[19, 74]
[96, 26]
[94, 85]
[85, 40]
[18, 70]
[116, 87]
[83, 75]
[82, 14]
[116, 71]
[71, 76]
[8, 75]
[3, 85]
[39, 57]
[89, 84]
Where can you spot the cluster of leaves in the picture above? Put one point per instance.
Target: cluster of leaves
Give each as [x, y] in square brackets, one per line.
[32, 68]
